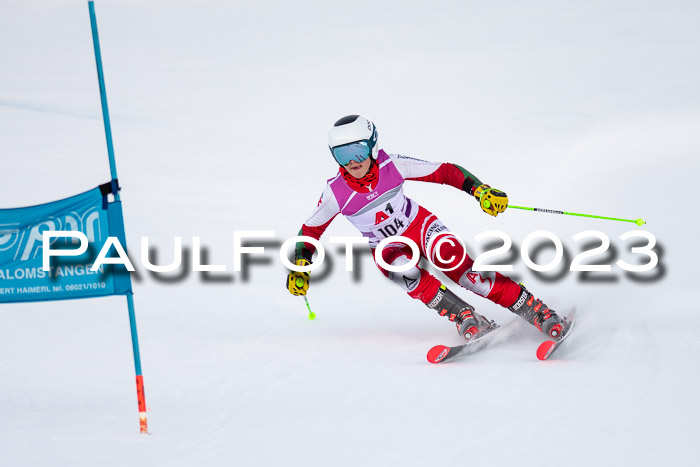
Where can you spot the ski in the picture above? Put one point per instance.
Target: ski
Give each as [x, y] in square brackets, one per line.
[547, 348]
[443, 353]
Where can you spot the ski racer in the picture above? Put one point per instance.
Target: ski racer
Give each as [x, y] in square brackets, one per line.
[368, 191]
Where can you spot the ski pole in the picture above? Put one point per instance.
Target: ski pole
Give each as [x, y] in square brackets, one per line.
[300, 284]
[639, 222]
[312, 315]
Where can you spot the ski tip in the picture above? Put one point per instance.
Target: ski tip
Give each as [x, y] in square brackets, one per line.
[438, 353]
[545, 349]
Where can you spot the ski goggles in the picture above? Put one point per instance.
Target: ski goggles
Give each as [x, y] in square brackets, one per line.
[357, 151]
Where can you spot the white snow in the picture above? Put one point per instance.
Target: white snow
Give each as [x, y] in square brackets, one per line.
[220, 111]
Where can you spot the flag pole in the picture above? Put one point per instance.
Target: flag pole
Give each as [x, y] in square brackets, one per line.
[140, 393]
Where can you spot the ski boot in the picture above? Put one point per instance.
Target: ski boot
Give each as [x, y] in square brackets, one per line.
[469, 323]
[537, 313]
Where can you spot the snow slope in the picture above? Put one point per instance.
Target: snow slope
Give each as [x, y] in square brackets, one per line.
[220, 112]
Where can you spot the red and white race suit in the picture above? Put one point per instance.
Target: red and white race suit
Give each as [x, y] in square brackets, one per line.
[377, 207]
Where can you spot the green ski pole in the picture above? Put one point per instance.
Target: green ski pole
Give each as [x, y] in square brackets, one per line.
[639, 222]
[300, 283]
[312, 315]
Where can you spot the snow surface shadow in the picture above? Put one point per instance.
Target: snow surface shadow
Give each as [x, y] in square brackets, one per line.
[53, 109]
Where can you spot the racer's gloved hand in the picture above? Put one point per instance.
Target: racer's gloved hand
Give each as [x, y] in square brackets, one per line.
[298, 282]
[492, 201]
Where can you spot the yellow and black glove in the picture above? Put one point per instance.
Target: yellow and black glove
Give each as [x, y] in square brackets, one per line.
[298, 282]
[491, 200]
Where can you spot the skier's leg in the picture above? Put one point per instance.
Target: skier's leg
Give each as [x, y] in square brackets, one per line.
[417, 282]
[448, 254]
[423, 286]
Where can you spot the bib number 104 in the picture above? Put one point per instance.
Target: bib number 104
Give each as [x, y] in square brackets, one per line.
[646, 251]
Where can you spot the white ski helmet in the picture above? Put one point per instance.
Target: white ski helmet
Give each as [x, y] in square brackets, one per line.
[353, 137]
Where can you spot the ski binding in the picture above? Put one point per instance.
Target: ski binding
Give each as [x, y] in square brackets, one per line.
[442, 353]
[547, 348]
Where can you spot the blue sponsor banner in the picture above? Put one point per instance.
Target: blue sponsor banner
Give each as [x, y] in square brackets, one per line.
[22, 278]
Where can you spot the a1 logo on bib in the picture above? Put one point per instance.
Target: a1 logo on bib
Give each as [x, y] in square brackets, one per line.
[394, 222]
[382, 216]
